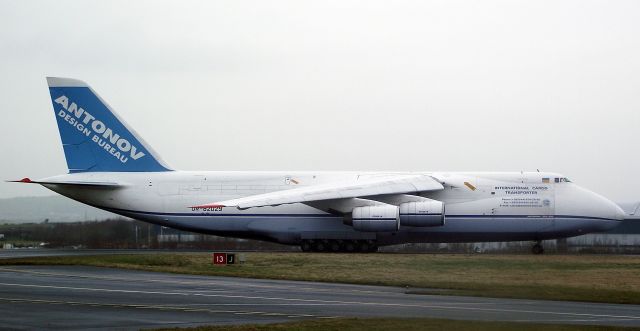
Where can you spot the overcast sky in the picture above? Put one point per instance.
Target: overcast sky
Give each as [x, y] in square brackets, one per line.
[336, 85]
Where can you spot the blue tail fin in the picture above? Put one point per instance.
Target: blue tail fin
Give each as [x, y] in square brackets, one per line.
[94, 138]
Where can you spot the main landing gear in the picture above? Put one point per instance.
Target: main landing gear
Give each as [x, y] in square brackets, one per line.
[537, 248]
[339, 246]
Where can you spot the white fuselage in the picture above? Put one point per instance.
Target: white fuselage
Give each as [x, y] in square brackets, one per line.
[479, 206]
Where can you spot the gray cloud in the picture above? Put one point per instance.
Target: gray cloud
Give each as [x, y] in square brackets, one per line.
[342, 85]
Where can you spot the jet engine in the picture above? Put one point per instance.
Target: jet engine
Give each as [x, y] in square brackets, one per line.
[422, 213]
[383, 218]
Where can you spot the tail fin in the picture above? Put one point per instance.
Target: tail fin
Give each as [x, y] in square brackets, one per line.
[94, 138]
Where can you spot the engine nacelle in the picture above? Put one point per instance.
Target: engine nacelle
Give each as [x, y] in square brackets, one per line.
[422, 214]
[376, 218]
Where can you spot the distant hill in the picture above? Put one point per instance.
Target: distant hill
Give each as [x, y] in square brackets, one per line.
[53, 208]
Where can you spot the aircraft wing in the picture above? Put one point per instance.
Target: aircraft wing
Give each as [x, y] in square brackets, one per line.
[391, 184]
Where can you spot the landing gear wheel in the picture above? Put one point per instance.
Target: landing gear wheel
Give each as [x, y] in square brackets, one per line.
[362, 246]
[367, 246]
[334, 246]
[350, 246]
[306, 246]
[537, 249]
[320, 246]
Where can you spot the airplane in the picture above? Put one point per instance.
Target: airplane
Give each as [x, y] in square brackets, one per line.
[112, 168]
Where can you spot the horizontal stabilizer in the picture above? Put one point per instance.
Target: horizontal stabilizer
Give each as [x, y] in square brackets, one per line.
[27, 180]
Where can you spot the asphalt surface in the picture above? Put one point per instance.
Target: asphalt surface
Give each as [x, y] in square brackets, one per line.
[75, 297]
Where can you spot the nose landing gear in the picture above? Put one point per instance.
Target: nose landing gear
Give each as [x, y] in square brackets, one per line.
[537, 248]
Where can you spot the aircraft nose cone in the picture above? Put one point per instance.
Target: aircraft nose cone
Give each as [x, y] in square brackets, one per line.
[610, 209]
[606, 208]
[613, 212]
[619, 214]
[600, 213]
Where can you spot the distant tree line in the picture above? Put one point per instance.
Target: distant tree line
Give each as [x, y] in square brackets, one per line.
[125, 233]
[120, 233]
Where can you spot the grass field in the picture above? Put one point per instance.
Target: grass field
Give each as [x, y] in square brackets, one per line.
[596, 278]
[405, 324]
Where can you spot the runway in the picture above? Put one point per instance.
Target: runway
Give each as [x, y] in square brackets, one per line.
[74, 297]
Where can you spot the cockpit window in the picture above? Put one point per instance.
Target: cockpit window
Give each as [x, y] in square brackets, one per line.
[562, 180]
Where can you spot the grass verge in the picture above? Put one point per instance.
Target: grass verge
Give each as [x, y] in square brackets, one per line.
[595, 278]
